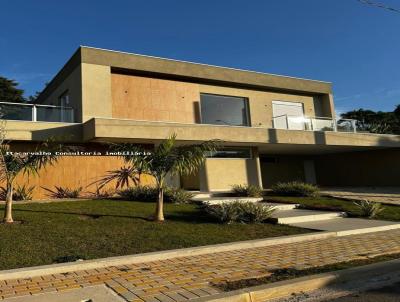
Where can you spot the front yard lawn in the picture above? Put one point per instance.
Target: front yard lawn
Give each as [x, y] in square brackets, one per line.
[66, 231]
[391, 212]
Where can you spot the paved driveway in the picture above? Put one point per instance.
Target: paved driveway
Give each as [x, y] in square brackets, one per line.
[186, 278]
[389, 195]
[384, 294]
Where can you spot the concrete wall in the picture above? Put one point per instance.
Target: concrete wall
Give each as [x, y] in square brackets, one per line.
[151, 99]
[89, 90]
[122, 130]
[284, 169]
[73, 85]
[71, 171]
[96, 91]
[147, 64]
[40, 131]
[368, 168]
[219, 174]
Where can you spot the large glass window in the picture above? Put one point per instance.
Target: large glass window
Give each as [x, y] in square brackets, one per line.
[224, 110]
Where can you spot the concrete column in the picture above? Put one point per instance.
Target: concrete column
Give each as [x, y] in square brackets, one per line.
[96, 91]
[256, 157]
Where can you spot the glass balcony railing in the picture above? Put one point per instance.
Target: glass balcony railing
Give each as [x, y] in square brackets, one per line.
[290, 122]
[36, 113]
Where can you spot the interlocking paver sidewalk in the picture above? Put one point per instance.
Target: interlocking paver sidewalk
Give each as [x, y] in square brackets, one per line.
[186, 278]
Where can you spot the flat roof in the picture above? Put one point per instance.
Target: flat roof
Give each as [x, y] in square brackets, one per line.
[197, 63]
[130, 63]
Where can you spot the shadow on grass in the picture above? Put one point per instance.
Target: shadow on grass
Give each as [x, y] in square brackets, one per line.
[178, 216]
[195, 218]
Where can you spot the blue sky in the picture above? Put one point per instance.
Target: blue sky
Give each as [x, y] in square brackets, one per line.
[357, 47]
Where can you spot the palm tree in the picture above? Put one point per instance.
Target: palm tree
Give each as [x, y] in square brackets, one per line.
[15, 163]
[166, 158]
[122, 177]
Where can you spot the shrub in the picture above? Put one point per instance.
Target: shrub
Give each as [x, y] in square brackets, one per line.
[295, 188]
[150, 194]
[139, 193]
[177, 195]
[247, 190]
[226, 212]
[20, 193]
[64, 192]
[238, 211]
[252, 212]
[368, 208]
[23, 192]
[102, 193]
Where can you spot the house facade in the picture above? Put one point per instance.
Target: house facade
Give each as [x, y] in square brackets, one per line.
[272, 128]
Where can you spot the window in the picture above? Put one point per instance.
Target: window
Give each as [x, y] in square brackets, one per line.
[64, 99]
[288, 115]
[231, 153]
[224, 110]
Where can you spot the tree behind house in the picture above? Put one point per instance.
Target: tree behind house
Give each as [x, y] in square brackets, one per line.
[9, 91]
[376, 121]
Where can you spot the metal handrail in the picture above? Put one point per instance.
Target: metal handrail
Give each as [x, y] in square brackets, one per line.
[35, 105]
[33, 108]
[311, 119]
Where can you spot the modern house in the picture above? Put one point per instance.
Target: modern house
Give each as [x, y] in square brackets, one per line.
[273, 128]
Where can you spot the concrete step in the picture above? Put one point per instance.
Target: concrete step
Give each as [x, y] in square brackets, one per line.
[297, 216]
[349, 226]
[219, 200]
[201, 195]
[281, 206]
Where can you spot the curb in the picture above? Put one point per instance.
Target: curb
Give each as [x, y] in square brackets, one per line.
[156, 256]
[389, 227]
[286, 288]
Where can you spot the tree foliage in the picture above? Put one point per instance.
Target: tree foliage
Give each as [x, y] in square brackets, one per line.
[376, 121]
[9, 91]
[29, 163]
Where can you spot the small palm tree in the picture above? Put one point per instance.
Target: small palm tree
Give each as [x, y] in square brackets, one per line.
[122, 177]
[14, 163]
[167, 158]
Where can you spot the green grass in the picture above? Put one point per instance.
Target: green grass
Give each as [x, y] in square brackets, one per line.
[390, 212]
[56, 232]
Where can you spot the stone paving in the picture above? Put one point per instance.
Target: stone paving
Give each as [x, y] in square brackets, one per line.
[389, 195]
[187, 278]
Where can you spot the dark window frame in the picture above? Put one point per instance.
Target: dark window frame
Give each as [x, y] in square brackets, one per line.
[249, 149]
[246, 108]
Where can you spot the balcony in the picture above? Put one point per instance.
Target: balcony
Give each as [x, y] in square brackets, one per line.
[290, 122]
[36, 113]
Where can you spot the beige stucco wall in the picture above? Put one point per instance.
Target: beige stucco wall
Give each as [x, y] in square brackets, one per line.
[122, 130]
[143, 63]
[40, 131]
[71, 171]
[220, 174]
[96, 91]
[143, 98]
[73, 84]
